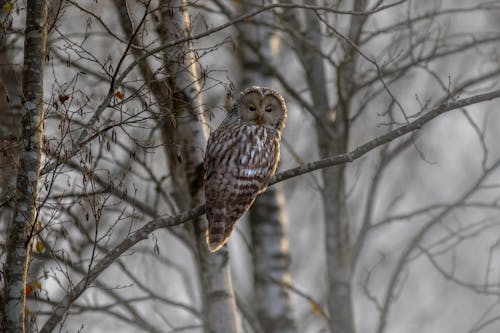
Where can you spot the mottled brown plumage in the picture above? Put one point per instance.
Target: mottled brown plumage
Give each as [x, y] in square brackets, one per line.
[241, 157]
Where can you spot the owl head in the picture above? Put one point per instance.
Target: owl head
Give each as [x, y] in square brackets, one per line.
[262, 106]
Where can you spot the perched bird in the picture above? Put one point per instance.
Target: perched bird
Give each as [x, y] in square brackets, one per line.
[241, 157]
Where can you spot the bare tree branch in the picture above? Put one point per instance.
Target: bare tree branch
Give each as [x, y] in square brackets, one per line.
[118, 79]
[184, 217]
[388, 137]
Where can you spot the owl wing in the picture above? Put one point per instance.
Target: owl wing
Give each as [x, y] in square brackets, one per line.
[239, 162]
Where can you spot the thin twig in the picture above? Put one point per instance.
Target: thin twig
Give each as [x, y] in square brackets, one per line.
[143, 233]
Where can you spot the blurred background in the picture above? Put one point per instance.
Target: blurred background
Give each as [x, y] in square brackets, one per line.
[405, 238]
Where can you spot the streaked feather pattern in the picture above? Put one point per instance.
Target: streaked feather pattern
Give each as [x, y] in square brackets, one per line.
[241, 157]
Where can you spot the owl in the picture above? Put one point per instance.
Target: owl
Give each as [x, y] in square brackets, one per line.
[241, 157]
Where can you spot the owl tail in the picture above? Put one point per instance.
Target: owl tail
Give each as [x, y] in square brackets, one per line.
[218, 233]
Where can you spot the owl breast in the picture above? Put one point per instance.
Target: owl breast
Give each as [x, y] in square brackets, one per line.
[257, 154]
[241, 157]
[239, 162]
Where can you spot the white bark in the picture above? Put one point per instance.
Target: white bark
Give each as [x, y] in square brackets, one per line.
[186, 135]
[21, 229]
[142, 233]
[271, 262]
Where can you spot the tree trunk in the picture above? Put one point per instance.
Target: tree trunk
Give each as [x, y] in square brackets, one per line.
[267, 215]
[185, 134]
[271, 262]
[332, 135]
[338, 252]
[23, 224]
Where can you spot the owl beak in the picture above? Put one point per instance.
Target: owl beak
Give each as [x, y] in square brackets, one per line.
[260, 119]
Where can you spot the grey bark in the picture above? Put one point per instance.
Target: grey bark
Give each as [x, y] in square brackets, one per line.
[23, 224]
[332, 136]
[143, 232]
[338, 243]
[185, 135]
[267, 216]
[271, 262]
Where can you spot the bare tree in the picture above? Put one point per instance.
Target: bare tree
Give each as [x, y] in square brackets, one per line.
[383, 97]
[267, 216]
[185, 139]
[24, 226]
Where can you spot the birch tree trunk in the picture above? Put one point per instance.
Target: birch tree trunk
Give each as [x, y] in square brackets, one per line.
[332, 135]
[271, 262]
[267, 215]
[22, 227]
[185, 134]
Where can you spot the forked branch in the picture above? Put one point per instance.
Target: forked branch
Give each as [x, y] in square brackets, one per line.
[171, 221]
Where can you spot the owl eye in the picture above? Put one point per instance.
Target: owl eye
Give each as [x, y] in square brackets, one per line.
[269, 109]
[252, 108]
